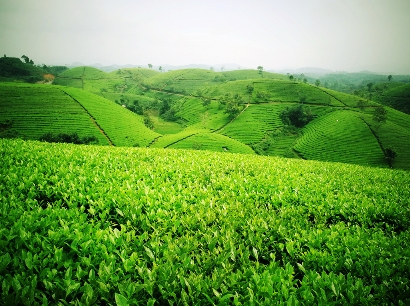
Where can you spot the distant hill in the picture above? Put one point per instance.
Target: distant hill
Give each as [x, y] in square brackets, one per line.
[239, 111]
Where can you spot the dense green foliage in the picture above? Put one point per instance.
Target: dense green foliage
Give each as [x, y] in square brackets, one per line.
[296, 115]
[103, 225]
[69, 138]
[395, 95]
[12, 68]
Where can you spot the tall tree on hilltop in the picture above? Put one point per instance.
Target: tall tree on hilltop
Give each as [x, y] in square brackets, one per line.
[26, 59]
[260, 68]
[150, 66]
[389, 77]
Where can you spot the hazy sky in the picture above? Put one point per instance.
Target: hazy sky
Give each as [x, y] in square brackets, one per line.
[348, 35]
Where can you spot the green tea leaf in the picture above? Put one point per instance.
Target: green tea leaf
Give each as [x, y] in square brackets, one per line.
[149, 253]
[121, 300]
[4, 261]
[72, 288]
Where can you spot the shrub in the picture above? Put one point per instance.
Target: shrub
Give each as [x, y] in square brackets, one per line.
[68, 138]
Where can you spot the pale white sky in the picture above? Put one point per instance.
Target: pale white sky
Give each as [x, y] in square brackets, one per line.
[348, 35]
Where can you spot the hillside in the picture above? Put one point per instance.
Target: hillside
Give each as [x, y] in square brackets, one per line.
[189, 104]
[31, 111]
[105, 225]
[395, 95]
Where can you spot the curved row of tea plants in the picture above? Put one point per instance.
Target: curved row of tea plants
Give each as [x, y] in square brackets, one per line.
[334, 137]
[35, 110]
[132, 226]
[124, 128]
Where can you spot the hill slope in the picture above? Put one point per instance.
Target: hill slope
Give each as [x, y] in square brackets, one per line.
[30, 111]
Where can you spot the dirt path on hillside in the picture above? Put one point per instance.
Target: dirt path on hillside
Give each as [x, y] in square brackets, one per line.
[92, 119]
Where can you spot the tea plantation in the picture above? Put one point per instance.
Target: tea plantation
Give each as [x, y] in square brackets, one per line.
[199, 104]
[101, 225]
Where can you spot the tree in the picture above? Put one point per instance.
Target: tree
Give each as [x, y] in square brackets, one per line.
[232, 109]
[160, 68]
[249, 89]
[206, 101]
[317, 82]
[234, 105]
[361, 104]
[305, 80]
[297, 116]
[369, 86]
[390, 155]
[148, 122]
[136, 108]
[389, 77]
[260, 68]
[291, 77]
[150, 66]
[380, 114]
[26, 59]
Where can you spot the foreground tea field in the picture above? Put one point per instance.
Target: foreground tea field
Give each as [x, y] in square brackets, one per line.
[137, 226]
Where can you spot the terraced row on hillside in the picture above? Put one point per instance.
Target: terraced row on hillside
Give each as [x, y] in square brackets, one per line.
[124, 127]
[34, 110]
[334, 137]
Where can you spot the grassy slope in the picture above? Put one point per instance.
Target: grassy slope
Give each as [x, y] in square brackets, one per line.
[39, 109]
[122, 126]
[89, 223]
[395, 95]
[335, 137]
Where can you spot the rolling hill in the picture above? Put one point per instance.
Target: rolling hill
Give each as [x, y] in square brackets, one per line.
[30, 111]
[185, 106]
